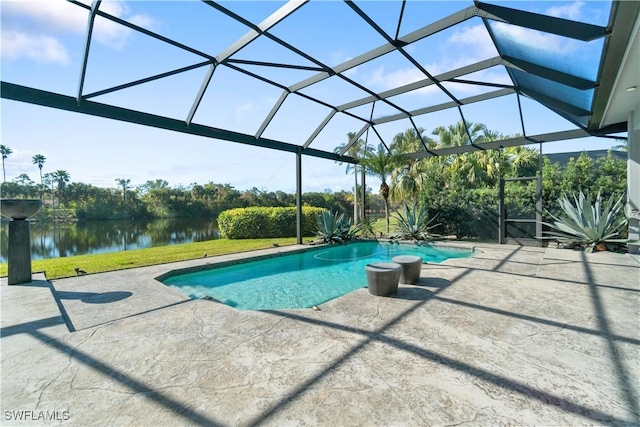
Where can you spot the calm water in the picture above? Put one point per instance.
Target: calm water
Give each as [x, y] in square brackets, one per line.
[302, 279]
[49, 240]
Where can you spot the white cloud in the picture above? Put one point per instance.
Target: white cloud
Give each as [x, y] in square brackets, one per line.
[57, 15]
[340, 57]
[351, 72]
[464, 46]
[571, 11]
[115, 35]
[54, 17]
[403, 76]
[534, 39]
[393, 79]
[475, 41]
[40, 48]
[242, 110]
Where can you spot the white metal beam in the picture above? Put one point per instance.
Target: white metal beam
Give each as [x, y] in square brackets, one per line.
[419, 34]
[353, 140]
[512, 142]
[277, 16]
[272, 113]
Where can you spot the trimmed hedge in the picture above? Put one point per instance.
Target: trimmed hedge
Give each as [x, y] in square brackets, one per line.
[264, 222]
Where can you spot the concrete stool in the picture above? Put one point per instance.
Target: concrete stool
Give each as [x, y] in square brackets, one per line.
[411, 266]
[383, 277]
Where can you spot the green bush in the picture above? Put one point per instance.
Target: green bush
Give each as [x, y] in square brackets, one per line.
[264, 222]
[474, 213]
[470, 213]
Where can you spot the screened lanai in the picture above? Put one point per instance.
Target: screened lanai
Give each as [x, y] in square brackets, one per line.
[537, 72]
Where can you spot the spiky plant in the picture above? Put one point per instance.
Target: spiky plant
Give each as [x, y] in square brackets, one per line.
[366, 228]
[334, 227]
[413, 222]
[586, 225]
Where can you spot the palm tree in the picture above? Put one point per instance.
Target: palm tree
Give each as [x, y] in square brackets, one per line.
[62, 178]
[407, 179]
[459, 167]
[456, 135]
[410, 141]
[125, 184]
[49, 180]
[39, 159]
[356, 150]
[5, 151]
[381, 164]
[521, 160]
[482, 168]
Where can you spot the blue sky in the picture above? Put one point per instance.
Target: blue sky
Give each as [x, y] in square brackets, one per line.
[42, 45]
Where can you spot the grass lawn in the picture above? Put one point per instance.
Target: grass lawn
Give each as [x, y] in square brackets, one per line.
[64, 267]
[56, 268]
[380, 225]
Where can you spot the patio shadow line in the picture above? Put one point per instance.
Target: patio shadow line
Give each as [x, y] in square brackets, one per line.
[618, 364]
[138, 387]
[498, 380]
[378, 335]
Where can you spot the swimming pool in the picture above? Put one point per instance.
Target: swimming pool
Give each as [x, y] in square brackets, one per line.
[302, 279]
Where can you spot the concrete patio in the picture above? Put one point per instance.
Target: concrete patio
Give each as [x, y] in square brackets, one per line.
[514, 335]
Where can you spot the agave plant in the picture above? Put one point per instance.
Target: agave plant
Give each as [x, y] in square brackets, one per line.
[334, 227]
[414, 223]
[366, 228]
[586, 225]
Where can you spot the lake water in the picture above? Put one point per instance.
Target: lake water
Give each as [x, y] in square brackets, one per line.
[53, 240]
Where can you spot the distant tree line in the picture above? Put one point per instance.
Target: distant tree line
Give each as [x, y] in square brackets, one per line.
[66, 200]
[459, 188]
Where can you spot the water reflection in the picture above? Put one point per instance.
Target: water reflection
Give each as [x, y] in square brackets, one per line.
[53, 240]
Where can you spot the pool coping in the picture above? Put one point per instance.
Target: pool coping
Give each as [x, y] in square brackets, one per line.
[297, 249]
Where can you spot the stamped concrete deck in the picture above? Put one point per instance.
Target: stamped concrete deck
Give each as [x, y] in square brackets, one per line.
[515, 335]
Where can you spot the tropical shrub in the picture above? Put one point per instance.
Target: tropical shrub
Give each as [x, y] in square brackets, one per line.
[413, 223]
[264, 222]
[366, 228]
[472, 213]
[334, 227]
[585, 225]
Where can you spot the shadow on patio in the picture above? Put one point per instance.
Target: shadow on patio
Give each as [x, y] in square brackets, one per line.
[473, 342]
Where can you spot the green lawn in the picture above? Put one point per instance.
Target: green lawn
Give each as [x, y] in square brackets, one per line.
[380, 225]
[96, 263]
[56, 268]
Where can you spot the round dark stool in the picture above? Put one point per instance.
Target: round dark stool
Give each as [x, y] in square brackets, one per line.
[411, 266]
[383, 278]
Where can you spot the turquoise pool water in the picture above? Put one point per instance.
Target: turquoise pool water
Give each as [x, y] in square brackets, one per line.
[300, 280]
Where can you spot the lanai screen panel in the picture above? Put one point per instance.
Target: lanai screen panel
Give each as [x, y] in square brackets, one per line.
[366, 68]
